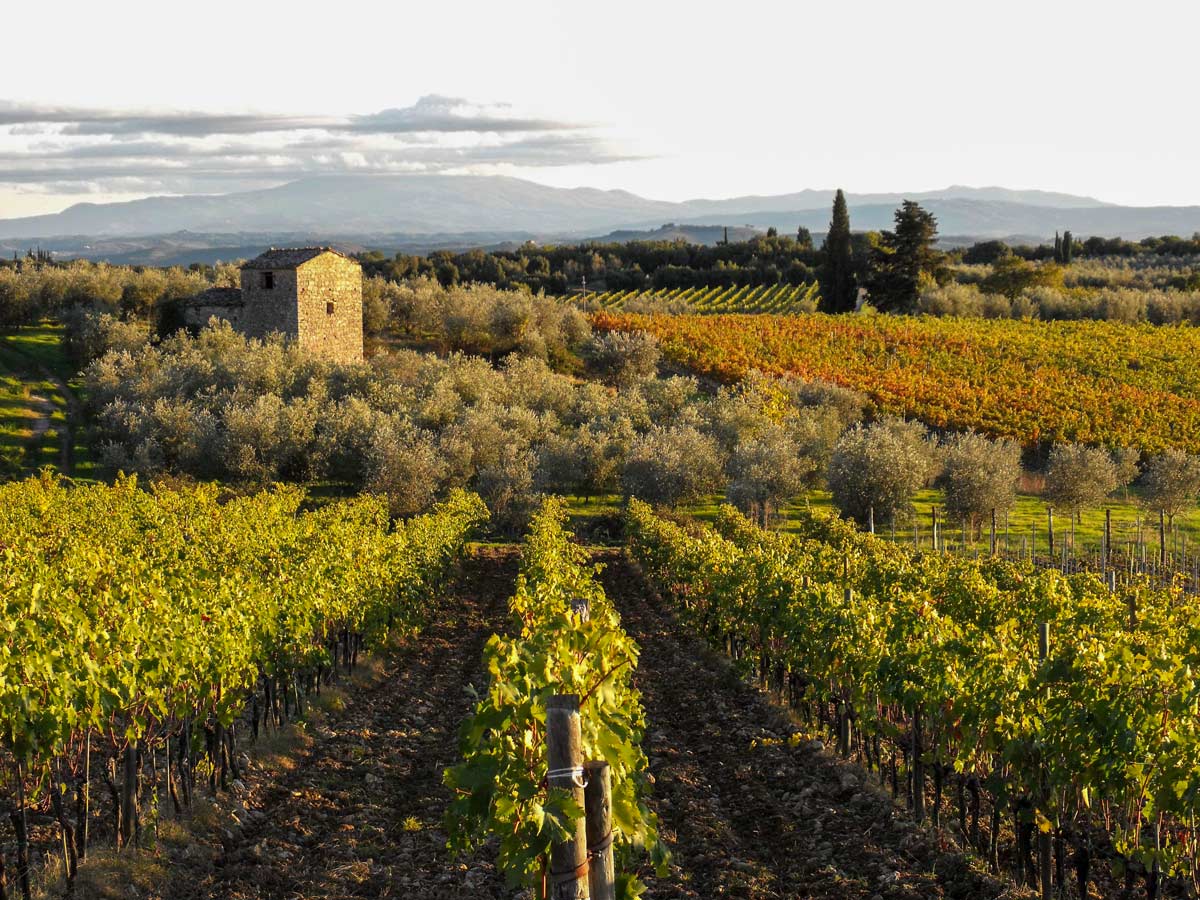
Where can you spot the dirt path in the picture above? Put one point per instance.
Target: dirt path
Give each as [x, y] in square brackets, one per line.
[42, 423]
[763, 821]
[73, 413]
[361, 815]
[72, 407]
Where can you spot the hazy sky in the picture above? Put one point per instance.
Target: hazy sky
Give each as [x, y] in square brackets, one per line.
[669, 100]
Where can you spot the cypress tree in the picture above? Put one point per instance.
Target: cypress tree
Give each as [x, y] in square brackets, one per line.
[1067, 248]
[838, 292]
[1057, 248]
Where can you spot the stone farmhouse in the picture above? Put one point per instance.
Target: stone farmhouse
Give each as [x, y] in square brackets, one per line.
[310, 295]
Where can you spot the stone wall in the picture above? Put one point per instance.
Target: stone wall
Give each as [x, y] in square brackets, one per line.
[329, 308]
[267, 310]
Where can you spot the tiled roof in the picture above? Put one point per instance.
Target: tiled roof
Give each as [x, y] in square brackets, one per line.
[217, 296]
[288, 257]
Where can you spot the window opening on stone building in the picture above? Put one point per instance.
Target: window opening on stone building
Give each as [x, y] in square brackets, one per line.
[268, 281]
[330, 306]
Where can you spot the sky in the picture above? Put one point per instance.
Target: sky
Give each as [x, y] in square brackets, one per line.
[668, 100]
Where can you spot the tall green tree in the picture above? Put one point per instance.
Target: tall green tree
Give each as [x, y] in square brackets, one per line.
[907, 257]
[1067, 247]
[838, 290]
[1057, 248]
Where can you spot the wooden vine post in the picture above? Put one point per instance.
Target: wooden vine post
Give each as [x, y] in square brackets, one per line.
[1107, 537]
[1050, 529]
[602, 874]
[993, 531]
[1162, 543]
[1045, 855]
[567, 878]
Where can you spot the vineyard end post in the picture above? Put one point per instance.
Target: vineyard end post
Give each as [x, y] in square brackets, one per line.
[568, 875]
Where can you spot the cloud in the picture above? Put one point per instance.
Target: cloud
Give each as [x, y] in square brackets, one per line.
[81, 150]
[452, 114]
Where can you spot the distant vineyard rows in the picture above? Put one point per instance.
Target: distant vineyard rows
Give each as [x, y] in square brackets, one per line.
[782, 299]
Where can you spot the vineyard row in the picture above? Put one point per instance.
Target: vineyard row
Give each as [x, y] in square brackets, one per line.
[1071, 707]
[144, 629]
[567, 643]
[767, 298]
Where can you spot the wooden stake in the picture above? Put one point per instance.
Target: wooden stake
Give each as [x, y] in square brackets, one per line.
[1045, 845]
[602, 876]
[568, 874]
[1107, 536]
[129, 794]
[1162, 541]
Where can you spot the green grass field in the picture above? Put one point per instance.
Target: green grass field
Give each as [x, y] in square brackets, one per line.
[1027, 520]
[37, 389]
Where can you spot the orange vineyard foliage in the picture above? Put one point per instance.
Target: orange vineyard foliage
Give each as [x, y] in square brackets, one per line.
[1087, 381]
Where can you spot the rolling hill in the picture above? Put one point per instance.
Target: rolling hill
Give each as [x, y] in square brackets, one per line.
[444, 210]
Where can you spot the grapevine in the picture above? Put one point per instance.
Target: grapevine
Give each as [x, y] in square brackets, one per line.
[499, 787]
[939, 657]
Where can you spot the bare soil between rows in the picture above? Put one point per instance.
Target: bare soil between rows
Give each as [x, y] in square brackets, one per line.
[749, 815]
[745, 813]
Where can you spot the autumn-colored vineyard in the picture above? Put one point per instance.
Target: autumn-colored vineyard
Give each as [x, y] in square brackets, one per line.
[1094, 382]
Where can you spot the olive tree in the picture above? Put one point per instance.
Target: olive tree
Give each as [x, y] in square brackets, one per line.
[672, 465]
[623, 359]
[378, 295]
[1126, 460]
[89, 334]
[1171, 482]
[816, 431]
[881, 467]
[585, 461]
[979, 475]
[405, 466]
[765, 471]
[1079, 477]
[506, 486]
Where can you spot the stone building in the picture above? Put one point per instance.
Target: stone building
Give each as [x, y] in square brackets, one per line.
[311, 295]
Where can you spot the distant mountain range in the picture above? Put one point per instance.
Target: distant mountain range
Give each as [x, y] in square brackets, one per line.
[424, 212]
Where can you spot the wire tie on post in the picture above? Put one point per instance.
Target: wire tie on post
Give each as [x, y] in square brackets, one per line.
[573, 774]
